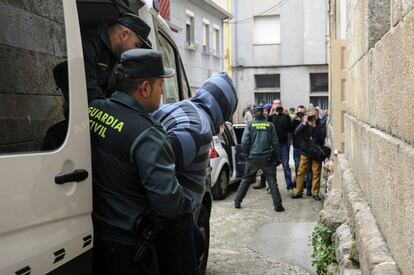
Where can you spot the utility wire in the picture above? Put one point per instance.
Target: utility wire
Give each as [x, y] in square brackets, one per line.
[278, 5]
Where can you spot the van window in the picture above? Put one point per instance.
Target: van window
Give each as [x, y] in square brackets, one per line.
[32, 49]
[171, 92]
[186, 93]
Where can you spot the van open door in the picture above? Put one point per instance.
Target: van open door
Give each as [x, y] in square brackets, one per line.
[240, 160]
[45, 165]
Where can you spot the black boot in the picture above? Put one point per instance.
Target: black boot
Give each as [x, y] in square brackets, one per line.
[280, 208]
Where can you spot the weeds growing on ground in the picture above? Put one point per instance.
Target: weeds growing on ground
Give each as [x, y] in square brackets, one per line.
[323, 249]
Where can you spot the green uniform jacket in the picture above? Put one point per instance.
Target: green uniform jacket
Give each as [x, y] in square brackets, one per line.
[133, 169]
[260, 140]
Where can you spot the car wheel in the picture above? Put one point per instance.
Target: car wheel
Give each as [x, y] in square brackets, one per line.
[219, 190]
[204, 223]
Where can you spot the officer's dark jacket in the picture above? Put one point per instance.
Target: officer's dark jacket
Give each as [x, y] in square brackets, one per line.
[259, 140]
[296, 139]
[282, 126]
[309, 134]
[133, 169]
[99, 61]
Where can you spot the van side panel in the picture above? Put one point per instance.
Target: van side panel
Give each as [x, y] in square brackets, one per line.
[43, 225]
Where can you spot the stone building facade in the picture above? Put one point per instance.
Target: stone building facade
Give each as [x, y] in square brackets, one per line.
[371, 130]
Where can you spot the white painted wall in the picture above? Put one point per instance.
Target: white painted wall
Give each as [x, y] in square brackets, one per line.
[292, 33]
[314, 31]
[302, 44]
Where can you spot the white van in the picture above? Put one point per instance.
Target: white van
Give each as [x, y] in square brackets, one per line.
[46, 194]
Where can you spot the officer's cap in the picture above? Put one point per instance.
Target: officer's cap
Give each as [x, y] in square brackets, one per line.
[257, 109]
[143, 64]
[138, 26]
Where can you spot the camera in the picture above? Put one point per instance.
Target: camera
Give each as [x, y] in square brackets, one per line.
[311, 118]
[300, 114]
[279, 110]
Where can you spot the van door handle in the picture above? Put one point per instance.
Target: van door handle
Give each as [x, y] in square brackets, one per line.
[77, 175]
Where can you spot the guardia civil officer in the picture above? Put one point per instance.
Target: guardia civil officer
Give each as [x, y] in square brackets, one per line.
[103, 46]
[261, 146]
[133, 164]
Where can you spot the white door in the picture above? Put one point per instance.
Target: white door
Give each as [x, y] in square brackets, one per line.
[45, 221]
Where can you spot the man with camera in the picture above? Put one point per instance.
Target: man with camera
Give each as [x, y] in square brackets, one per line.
[296, 143]
[281, 121]
[312, 132]
[296, 140]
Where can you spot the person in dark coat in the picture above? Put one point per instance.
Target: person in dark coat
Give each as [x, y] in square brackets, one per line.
[262, 183]
[103, 46]
[55, 135]
[260, 145]
[297, 143]
[133, 167]
[281, 121]
[312, 131]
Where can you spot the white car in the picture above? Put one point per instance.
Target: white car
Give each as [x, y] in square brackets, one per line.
[226, 162]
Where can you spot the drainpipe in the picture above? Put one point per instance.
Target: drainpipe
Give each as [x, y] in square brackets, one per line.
[234, 60]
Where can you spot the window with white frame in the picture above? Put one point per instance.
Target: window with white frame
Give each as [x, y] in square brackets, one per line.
[216, 40]
[267, 29]
[171, 92]
[206, 35]
[189, 27]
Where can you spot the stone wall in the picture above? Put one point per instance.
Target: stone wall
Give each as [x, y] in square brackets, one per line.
[374, 254]
[32, 42]
[379, 130]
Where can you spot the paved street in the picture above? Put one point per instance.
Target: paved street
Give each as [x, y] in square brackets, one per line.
[257, 240]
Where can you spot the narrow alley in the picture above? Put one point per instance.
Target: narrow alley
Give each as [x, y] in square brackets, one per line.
[257, 240]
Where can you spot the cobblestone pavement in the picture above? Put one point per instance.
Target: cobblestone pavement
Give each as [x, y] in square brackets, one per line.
[234, 233]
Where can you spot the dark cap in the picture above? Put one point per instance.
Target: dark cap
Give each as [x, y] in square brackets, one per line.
[137, 25]
[257, 109]
[142, 64]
